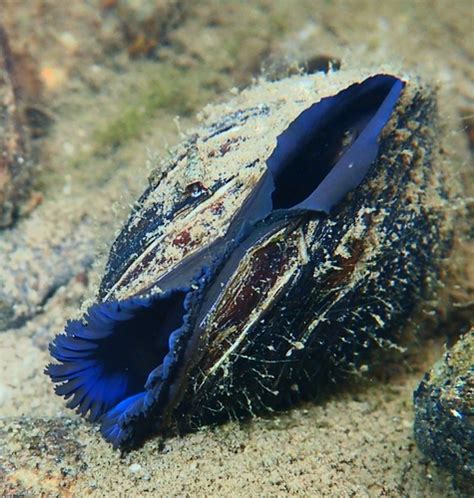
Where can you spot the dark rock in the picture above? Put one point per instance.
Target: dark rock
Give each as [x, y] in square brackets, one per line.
[444, 413]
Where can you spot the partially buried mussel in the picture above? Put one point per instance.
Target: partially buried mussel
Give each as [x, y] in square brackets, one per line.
[294, 230]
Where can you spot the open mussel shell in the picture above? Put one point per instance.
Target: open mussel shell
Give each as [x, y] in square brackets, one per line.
[294, 230]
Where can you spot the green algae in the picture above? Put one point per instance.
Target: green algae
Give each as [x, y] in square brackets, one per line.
[171, 90]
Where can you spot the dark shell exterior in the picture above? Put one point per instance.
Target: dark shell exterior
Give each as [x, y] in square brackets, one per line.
[242, 278]
[444, 413]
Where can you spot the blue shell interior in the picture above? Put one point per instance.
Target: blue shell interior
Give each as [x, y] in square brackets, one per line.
[328, 150]
[117, 364]
[114, 362]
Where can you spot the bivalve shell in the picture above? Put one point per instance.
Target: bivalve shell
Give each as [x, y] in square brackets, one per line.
[292, 232]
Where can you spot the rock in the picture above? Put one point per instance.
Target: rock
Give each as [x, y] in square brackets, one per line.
[444, 413]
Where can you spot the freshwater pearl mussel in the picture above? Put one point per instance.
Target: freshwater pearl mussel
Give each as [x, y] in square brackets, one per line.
[296, 228]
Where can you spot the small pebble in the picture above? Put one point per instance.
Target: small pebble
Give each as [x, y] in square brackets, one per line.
[134, 468]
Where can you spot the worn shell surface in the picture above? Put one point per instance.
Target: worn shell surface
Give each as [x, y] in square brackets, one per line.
[295, 229]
